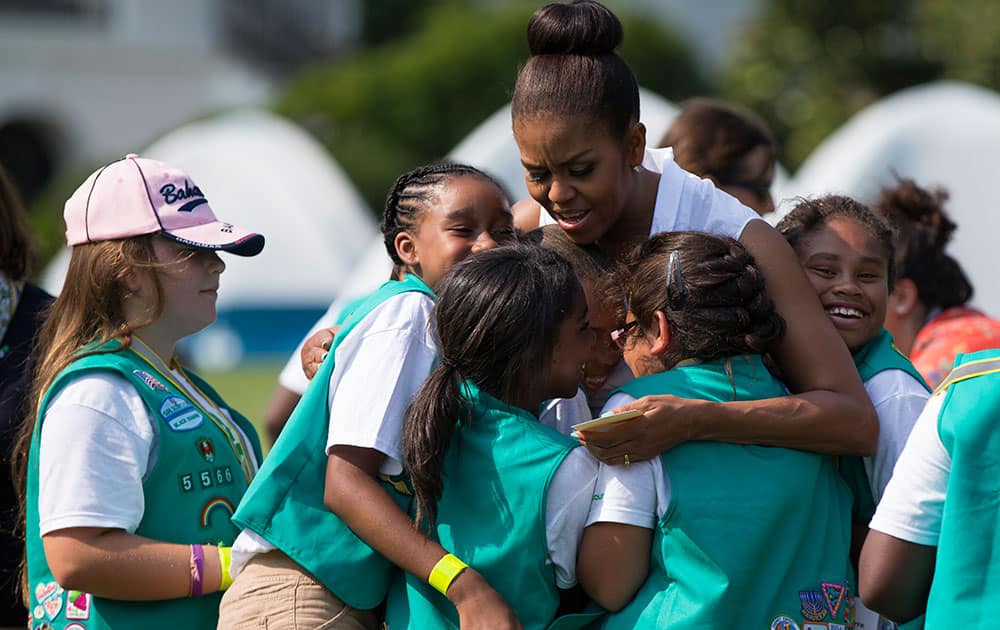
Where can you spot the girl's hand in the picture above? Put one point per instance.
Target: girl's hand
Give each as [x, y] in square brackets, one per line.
[666, 422]
[315, 349]
[478, 605]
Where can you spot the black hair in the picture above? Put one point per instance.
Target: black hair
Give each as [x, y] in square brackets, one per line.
[809, 215]
[710, 138]
[923, 230]
[497, 315]
[16, 245]
[574, 69]
[715, 301]
[591, 265]
[413, 192]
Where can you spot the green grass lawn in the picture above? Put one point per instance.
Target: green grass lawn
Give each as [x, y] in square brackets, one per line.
[247, 389]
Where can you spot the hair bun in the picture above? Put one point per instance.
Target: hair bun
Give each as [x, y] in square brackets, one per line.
[583, 27]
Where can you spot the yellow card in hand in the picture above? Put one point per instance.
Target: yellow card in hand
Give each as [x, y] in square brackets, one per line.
[605, 422]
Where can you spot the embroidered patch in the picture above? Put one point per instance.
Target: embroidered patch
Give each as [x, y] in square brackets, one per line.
[813, 605]
[206, 449]
[180, 414]
[45, 625]
[38, 612]
[217, 504]
[784, 623]
[52, 606]
[149, 380]
[43, 590]
[837, 626]
[75, 626]
[812, 625]
[78, 606]
[834, 595]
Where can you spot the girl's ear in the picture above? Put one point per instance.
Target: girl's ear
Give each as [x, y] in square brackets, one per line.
[904, 298]
[407, 249]
[635, 144]
[133, 280]
[660, 341]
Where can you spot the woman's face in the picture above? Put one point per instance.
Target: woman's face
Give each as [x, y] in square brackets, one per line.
[578, 172]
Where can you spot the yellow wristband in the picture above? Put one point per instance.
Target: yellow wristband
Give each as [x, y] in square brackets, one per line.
[225, 561]
[445, 571]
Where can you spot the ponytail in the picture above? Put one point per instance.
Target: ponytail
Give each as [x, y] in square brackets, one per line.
[430, 423]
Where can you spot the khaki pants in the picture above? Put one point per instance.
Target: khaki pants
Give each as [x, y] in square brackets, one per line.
[274, 593]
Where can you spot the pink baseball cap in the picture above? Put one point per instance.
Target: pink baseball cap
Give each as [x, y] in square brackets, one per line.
[136, 196]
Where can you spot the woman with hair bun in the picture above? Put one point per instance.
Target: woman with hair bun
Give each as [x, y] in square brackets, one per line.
[742, 535]
[576, 122]
[928, 312]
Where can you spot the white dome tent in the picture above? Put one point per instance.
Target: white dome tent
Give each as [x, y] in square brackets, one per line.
[262, 172]
[942, 134]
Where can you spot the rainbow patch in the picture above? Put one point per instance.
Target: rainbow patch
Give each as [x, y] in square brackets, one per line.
[218, 502]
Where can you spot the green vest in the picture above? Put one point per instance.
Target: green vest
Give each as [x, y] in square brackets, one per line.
[876, 356]
[284, 504]
[755, 537]
[964, 593]
[491, 514]
[189, 496]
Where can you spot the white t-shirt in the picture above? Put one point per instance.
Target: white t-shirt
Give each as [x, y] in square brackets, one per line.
[686, 202]
[98, 444]
[396, 342]
[634, 495]
[562, 413]
[913, 501]
[898, 399]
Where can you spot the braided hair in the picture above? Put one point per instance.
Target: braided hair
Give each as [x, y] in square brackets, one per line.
[413, 192]
[715, 301]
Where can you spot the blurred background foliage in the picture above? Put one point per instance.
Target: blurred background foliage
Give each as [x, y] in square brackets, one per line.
[411, 99]
[426, 73]
[807, 65]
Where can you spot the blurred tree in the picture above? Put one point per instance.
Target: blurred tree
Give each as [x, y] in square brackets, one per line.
[962, 35]
[409, 101]
[807, 65]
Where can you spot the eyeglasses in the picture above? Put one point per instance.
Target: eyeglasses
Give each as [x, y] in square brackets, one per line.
[620, 335]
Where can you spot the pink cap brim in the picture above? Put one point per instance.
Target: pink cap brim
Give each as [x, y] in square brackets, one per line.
[218, 235]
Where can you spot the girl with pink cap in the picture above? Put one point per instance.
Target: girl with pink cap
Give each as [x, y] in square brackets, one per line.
[130, 465]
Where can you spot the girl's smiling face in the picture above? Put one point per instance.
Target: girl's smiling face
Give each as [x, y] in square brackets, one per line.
[847, 266]
[469, 214]
[573, 343]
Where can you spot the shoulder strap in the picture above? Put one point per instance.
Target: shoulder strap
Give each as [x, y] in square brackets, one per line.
[969, 370]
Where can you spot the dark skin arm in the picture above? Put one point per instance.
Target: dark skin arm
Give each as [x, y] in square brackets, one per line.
[353, 493]
[894, 576]
[613, 562]
[830, 413]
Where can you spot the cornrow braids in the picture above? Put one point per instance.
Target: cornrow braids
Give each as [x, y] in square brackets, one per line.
[810, 215]
[411, 194]
[724, 311]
